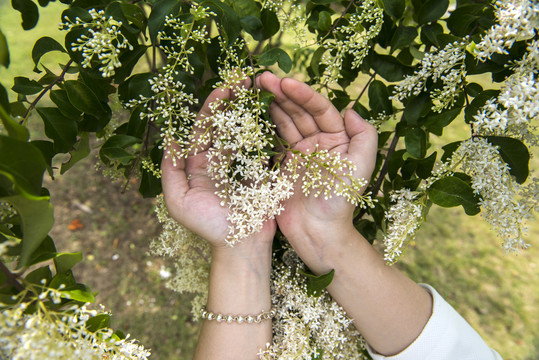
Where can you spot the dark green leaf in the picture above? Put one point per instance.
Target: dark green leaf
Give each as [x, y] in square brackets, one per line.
[22, 164]
[390, 68]
[39, 274]
[29, 12]
[59, 128]
[160, 10]
[430, 32]
[244, 7]
[473, 89]
[416, 142]
[315, 284]
[115, 148]
[316, 60]
[44, 252]
[47, 150]
[432, 10]
[150, 186]
[42, 46]
[404, 36]
[416, 107]
[394, 163]
[83, 98]
[4, 51]
[270, 22]
[425, 166]
[452, 191]
[367, 228]
[394, 8]
[437, 122]
[59, 97]
[26, 86]
[253, 26]
[37, 219]
[276, 55]
[226, 17]
[515, 154]
[13, 128]
[65, 261]
[478, 102]
[98, 322]
[324, 21]
[81, 150]
[129, 59]
[136, 86]
[379, 101]
[135, 15]
[449, 149]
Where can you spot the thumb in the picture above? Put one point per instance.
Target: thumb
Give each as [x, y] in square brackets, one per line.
[363, 142]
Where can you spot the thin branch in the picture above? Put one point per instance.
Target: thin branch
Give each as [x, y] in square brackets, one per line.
[378, 184]
[363, 90]
[336, 23]
[11, 278]
[46, 90]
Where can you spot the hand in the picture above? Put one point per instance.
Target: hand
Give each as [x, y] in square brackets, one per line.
[190, 194]
[304, 119]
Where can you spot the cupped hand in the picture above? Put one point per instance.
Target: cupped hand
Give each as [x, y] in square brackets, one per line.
[190, 193]
[306, 119]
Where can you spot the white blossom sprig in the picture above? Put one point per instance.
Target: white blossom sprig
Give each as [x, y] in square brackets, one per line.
[103, 43]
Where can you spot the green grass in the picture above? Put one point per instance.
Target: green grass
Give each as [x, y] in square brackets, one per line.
[458, 255]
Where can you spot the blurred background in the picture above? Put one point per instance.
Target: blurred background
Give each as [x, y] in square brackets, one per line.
[457, 254]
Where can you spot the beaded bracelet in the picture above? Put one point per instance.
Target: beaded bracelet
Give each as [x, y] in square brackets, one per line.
[249, 319]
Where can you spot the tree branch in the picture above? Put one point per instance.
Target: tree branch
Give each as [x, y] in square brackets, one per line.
[44, 91]
[11, 278]
[364, 89]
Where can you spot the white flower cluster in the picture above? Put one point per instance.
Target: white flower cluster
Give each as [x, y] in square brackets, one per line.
[446, 65]
[191, 255]
[351, 39]
[328, 173]
[307, 327]
[48, 334]
[170, 108]
[104, 41]
[515, 20]
[505, 204]
[404, 219]
[517, 106]
[174, 41]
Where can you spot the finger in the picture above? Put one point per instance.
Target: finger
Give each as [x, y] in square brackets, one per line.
[301, 118]
[285, 126]
[363, 141]
[322, 111]
[174, 177]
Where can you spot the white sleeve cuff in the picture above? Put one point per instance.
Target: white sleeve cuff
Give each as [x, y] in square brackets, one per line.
[446, 336]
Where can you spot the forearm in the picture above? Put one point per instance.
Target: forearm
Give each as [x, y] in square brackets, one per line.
[388, 309]
[239, 285]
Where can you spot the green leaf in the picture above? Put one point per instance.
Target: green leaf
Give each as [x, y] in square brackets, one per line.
[82, 294]
[13, 128]
[515, 154]
[83, 98]
[253, 26]
[37, 219]
[80, 151]
[65, 261]
[478, 102]
[432, 10]
[394, 8]
[44, 252]
[416, 107]
[429, 34]
[135, 86]
[416, 142]
[379, 101]
[150, 186]
[226, 17]
[115, 147]
[390, 68]
[39, 274]
[98, 322]
[316, 60]
[245, 7]
[452, 191]
[404, 36]
[324, 21]
[160, 10]
[47, 150]
[4, 51]
[29, 12]
[59, 128]
[135, 15]
[26, 86]
[437, 122]
[274, 55]
[129, 59]
[42, 46]
[59, 97]
[22, 164]
[315, 284]
[270, 24]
